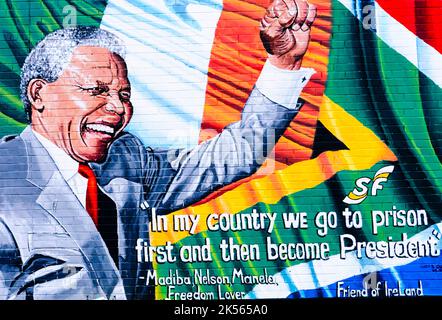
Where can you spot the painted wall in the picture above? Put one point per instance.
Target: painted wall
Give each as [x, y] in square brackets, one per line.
[347, 205]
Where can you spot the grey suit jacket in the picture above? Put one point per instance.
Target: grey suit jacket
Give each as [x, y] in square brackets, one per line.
[51, 249]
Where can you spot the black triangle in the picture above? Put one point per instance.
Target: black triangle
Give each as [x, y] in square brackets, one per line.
[325, 141]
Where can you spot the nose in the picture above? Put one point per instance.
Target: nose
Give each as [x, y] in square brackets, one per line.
[114, 104]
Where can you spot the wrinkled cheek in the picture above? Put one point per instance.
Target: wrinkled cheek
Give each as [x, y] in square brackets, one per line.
[76, 134]
[129, 114]
[76, 141]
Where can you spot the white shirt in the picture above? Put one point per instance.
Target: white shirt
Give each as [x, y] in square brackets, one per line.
[281, 86]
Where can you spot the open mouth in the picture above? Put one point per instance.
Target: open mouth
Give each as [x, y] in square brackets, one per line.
[102, 130]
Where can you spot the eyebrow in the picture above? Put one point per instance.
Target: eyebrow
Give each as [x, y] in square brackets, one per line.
[101, 67]
[101, 83]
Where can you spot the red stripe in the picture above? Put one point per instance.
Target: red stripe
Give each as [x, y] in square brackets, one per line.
[422, 17]
[429, 30]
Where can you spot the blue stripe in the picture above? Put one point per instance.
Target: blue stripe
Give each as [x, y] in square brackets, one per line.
[428, 270]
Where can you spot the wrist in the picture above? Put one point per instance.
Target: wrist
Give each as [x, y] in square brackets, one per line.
[285, 62]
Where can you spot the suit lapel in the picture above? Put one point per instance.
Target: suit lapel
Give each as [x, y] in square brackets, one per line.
[59, 201]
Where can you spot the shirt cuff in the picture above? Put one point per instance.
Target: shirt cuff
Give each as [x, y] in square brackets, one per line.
[283, 86]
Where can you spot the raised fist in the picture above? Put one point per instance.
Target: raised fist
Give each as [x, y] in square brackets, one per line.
[285, 31]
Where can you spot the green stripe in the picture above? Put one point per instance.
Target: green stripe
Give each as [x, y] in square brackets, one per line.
[9, 126]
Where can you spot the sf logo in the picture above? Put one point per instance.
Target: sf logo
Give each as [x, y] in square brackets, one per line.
[362, 189]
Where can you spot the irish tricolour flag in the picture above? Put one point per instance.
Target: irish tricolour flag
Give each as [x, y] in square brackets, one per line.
[375, 101]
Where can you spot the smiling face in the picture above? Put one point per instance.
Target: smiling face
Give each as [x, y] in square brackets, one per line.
[87, 107]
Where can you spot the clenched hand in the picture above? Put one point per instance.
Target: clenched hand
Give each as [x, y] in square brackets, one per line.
[285, 32]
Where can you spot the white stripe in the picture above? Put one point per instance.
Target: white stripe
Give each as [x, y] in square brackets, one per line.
[423, 56]
[319, 273]
[168, 51]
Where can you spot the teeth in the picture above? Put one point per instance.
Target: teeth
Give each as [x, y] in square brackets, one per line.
[100, 128]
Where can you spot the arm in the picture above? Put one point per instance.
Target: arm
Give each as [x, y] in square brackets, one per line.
[186, 176]
[234, 154]
[10, 263]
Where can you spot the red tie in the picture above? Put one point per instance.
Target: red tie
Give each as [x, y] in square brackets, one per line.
[92, 191]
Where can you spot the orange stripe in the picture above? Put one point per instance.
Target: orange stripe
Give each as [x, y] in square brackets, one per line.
[236, 61]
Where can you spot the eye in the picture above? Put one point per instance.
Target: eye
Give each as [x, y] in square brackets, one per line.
[96, 91]
[125, 95]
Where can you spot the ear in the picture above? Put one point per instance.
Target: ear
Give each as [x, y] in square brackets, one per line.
[33, 92]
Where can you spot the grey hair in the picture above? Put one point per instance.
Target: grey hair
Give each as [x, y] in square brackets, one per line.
[51, 55]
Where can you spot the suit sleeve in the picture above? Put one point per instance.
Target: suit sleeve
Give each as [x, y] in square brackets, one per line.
[46, 274]
[183, 177]
[10, 264]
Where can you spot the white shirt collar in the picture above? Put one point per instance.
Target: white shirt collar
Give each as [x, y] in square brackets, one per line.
[67, 166]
